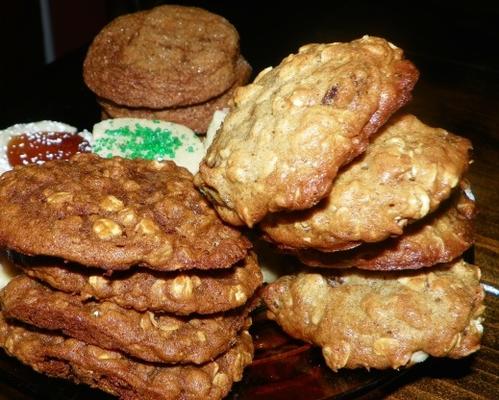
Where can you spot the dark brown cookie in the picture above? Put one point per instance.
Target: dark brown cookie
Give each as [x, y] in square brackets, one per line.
[164, 57]
[439, 238]
[196, 116]
[375, 320]
[114, 213]
[146, 336]
[181, 294]
[57, 356]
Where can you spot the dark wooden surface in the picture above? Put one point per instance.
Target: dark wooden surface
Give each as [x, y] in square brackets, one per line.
[456, 53]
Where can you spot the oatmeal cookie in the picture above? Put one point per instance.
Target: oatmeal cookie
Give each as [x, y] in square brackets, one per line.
[114, 213]
[406, 172]
[375, 320]
[439, 238]
[168, 56]
[196, 116]
[112, 372]
[145, 290]
[157, 338]
[290, 131]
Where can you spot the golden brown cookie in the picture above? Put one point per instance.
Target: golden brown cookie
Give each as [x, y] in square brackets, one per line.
[375, 320]
[439, 238]
[164, 57]
[114, 213]
[406, 172]
[151, 337]
[201, 292]
[290, 131]
[196, 116]
[126, 378]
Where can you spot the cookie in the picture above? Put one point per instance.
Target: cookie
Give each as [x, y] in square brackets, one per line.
[126, 378]
[149, 140]
[37, 142]
[181, 294]
[375, 320]
[168, 56]
[196, 116]
[114, 213]
[407, 171]
[156, 338]
[440, 238]
[289, 132]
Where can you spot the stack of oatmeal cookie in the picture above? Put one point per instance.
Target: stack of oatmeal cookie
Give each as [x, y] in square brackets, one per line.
[309, 155]
[173, 63]
[132, 284]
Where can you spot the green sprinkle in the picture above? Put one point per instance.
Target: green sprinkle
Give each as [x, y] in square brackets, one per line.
[190, 149]
[140, 142]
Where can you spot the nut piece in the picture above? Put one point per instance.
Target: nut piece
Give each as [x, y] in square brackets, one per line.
[111, 203]
[127, 216]
[59, 197]
[106, 229]
[147, 227]
[181, 287]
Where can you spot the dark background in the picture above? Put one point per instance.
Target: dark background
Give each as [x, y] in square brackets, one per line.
[454, 41]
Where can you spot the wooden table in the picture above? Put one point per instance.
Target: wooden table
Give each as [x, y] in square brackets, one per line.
[459, 96]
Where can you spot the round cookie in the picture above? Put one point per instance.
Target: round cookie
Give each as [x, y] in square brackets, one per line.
[439, 238]
[375, 320]
[149, 140]
[406, 172]
[114, 213]
[159, 338]
[196, 116]
[165, 57]
[111, 371]
[200, 292]
[289, 132]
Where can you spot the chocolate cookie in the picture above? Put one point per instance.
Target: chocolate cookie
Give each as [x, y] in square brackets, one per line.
[57, 356]
[181, 294]
[290, 131]
[439, 238]
[196, 116]
[374, 320]
[146, 336]
[406, 172]
[114, 213]
[168, 56]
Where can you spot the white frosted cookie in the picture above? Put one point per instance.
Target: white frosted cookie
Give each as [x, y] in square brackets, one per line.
[33, 130]
[148, 139]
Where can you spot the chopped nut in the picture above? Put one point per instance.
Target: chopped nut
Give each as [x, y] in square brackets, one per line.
[106, 229]
[181, 287]
[111, 203]
[220, 379]
[201, 336]
[59, 197]
[97, 281]
[127, 216]
[147, 227]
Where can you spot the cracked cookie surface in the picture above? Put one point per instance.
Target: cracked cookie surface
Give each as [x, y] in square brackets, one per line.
[163, 57]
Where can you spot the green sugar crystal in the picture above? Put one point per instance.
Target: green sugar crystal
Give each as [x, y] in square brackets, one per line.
[140, 142]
